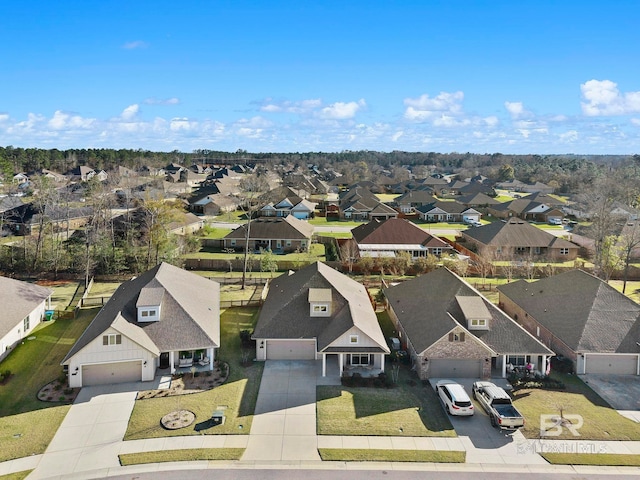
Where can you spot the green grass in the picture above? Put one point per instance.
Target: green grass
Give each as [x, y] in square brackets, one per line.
[602, 459]
[236, 216]
[335, 234]
[214, 233]
[62, 294]
[504, 198]
[35, 363]
[405, 410]
[334, 223]
[29, 433]
[378, 455]
[103, 289]
[632, 291]
[601, 422]
[316, 252]
[234, 292]
[16, 475]
[184, 455]
[387, 197]
[238, 394]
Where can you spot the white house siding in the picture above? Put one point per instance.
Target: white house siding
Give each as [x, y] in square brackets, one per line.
[17, 333]
[95, 352]
[363, 340]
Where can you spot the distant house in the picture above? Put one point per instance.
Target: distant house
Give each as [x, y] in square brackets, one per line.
[81, 173]
[518, 238]
[439, 211]
[387, 238]
[23, 308]
[319, 313]
[526, 210]
[477, 200]
[27, 219]
[166, 318]
[20, 178]
[278, 234]
[412, 200]
[360, 204]
[451, 330]
[301, 210]
[580, 317]
[214, 204]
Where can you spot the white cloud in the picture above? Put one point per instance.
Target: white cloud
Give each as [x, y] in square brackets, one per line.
[135, 45]
[130, 112]
[161, 101]
[514, 108]
[181, 124]
[396, 136]
[635, 121]
[491, 121]
[602, 98]
[4, 117]
[342, 110]
[425, 107]
[61, 120]
[570, 136]
[287, 106]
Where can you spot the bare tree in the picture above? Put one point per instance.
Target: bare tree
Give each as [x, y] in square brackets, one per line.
[349, 253]
[484, 263]
[628, 243]
[251, 187]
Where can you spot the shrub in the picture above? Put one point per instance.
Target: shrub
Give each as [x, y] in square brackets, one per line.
[68, 391]
[562, 364]
[61, 398]
[57, 387]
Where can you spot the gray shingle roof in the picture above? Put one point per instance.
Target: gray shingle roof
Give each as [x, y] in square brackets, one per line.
[285, 313]
[581, 310]
[275, 228]
[515, 233]
[18, 299]
[395, 231]
[189, 314]
[428, 308]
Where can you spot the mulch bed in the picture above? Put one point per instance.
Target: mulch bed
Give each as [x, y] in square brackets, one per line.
[58, 392]
[188, 383]
[178, 419]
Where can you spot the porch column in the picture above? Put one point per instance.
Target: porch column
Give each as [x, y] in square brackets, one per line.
[340, 363]
[543, 368]
[324, 364]
[171, 365]
[382, 362]
[211, 359]
[504, 366]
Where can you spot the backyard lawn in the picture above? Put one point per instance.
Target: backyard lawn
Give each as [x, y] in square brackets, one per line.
[237, 396]
[601, 422]
[27, 425]
[316, 252]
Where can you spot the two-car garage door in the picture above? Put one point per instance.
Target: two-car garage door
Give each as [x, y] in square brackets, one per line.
[291, 349]
[619, 364]
[447, 368]
[106, 373]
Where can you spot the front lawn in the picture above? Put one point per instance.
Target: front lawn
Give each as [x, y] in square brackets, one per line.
[27, 425]
[316, 252]
[237, 396]
[411, 408]
[602, 459]
[328, 222]
[601, 422]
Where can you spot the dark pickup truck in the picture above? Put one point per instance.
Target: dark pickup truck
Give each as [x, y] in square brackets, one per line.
[497, 403]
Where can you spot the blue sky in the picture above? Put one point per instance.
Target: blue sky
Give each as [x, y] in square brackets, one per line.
[283, 76]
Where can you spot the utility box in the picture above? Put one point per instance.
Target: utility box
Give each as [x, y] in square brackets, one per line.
[394, 343]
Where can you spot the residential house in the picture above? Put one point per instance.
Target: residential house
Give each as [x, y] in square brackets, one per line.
[23, 308]
[518, 238]
[413, 199]
[477, 200]
[27, 219]
[526, 210]
[278, 234]
[81, 173]
[450, 330]
[214, 204]
[302, 210]
[319, 313]
[536, 187]
[440, 211]
[360, 204]
[20, 178]
[389, 237]
[581, 318]
[513, 185]
[545, 198]
[166, 318]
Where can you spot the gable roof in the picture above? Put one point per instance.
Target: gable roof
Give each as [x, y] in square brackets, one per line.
[18, 299]
[189, 314]
[415, 196]
[288, 227]
[429, 306]
[446, 207]
[285, 312]
[515, 233]
[477, 199]
[581, 310]
[394, 231]
[544, 198]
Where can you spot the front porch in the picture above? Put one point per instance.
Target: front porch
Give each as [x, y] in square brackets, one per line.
[503, 365]
[366, 364]
[183, 361]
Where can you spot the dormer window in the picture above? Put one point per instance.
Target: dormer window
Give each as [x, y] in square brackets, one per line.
[475, 312]
[478, 322]
[320, 302]
[149, 304]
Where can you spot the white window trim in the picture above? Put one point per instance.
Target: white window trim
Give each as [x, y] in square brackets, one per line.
[353, 339]
[112, 339]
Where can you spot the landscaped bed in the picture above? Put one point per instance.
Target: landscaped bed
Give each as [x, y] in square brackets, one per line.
[187, 383]
[600, 421]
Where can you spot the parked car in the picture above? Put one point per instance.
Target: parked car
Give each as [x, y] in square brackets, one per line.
[454, 398]
[555, 221]
[497, 403]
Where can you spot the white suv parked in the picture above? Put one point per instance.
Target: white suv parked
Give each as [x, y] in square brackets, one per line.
[454, 398]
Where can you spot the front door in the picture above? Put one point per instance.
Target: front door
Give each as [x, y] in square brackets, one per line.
[164, 360]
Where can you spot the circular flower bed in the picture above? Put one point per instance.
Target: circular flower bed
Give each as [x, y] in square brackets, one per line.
[178, 419]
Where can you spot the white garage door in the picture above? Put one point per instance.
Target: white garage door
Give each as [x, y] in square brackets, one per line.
[444, 368]
[613, 364]
[291, 349]
[106, 373]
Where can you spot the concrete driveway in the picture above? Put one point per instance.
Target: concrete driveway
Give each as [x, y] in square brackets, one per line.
[622, 392]
[487, 444]
[284, 424]
[90, 435]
